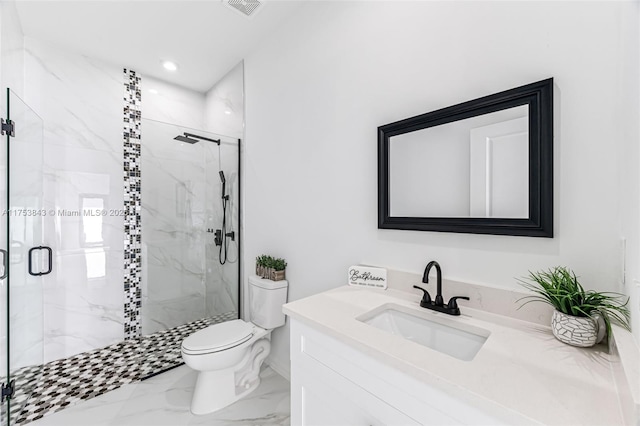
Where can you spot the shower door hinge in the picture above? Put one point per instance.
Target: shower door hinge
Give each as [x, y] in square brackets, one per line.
[8, 127]
[8, 390]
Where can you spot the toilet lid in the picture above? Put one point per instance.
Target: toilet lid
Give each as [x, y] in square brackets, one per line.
[219, 336]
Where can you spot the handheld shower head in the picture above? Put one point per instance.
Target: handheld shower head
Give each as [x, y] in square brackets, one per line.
[224, 184]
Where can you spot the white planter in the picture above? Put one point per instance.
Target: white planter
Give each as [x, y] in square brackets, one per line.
[578, 331]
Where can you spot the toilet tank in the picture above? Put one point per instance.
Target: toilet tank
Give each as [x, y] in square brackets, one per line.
[266, 298]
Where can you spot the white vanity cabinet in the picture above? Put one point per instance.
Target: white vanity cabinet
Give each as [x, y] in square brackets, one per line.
[347, 369]
[333, 383]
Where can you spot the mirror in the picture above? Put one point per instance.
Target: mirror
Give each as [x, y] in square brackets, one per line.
[483, 166]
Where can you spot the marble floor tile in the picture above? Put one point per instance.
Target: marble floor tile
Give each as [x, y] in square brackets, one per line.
[165, 399]
[97, 411]
[270, 404]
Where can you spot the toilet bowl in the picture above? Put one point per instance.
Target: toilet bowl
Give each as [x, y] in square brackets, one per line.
[228, 355]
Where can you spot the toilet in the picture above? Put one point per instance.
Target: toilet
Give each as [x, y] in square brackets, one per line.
[228, 355]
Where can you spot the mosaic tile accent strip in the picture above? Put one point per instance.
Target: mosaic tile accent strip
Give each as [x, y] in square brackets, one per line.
[132, 206]
[67, 381]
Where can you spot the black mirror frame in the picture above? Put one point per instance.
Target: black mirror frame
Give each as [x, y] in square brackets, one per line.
[539, 97]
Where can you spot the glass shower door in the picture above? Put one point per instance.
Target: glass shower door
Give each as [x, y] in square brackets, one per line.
[28, 259]
[190, 236]
[4, 269]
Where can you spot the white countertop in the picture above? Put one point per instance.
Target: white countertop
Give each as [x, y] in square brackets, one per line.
[521, 366]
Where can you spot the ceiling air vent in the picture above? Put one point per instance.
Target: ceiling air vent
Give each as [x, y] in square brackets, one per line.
[248, 8]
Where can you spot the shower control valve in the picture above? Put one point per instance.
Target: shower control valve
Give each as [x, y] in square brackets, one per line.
[218, 237]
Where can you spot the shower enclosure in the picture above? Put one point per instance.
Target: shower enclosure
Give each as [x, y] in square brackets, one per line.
[190, 246]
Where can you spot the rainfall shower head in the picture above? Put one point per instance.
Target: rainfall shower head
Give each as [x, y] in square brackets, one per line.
[191, 138]
[249, 8]
[186, 139]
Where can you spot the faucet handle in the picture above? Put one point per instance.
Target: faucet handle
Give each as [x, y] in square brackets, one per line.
[426, 298]
[453, 305]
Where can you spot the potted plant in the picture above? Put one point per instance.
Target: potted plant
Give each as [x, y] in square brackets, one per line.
[278, 269]
[270, 268]
[581, 317]
[262, 263]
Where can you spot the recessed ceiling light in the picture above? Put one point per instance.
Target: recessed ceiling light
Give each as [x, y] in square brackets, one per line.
[227, 112]
[153, 91]
[169, 66]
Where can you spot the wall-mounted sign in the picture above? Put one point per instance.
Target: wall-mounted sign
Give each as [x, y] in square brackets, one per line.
[368, 276]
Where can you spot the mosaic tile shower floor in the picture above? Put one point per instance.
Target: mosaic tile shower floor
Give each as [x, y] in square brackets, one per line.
[67, 381]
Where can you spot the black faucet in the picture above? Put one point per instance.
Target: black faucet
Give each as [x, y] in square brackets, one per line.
[450, 308]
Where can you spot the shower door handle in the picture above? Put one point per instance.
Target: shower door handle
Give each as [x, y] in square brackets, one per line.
[5, 264]
[50, 258]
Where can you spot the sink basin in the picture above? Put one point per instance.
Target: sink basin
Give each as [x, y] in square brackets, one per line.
[457, 340]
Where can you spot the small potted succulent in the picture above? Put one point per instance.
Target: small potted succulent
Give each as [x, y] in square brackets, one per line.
[581, 317]
[261, 265]
[270, 268]
[278, 267]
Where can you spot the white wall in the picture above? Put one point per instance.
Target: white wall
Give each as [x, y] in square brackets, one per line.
[318, 89]
[629, 88]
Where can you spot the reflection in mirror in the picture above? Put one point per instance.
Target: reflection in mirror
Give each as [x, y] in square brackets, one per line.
[477, 167]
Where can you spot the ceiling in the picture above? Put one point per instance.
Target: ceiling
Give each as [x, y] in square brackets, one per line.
[205, 38]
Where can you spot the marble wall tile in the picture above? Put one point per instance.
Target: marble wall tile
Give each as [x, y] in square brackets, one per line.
[80, 102]
[173, 228]
[27, 323]
[79, 180]
[82, 310]
[26, 296]
[224, 104]
[75, 179]
[168, 103]
[181, 198]
[79, 98]
[11, 49]
[181, 265]
[26, 319]
[224, 114]
[159, 315]
[222, 280]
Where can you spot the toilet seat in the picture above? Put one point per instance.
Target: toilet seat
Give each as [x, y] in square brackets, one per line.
[218, 337]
